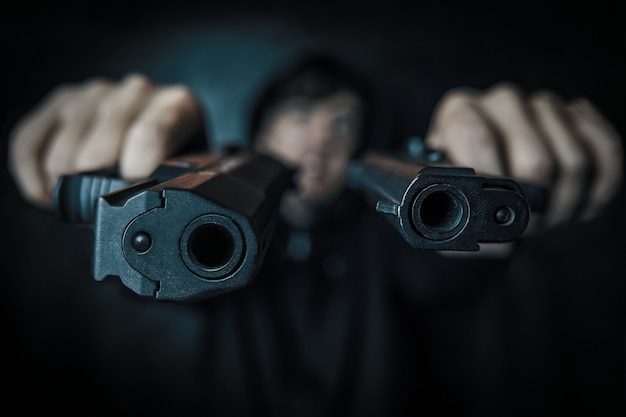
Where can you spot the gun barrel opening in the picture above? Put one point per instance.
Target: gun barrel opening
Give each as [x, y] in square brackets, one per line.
[440, 212]
[211, 246]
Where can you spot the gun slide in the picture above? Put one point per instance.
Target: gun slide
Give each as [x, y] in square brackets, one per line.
[197, 228]
[441, 208]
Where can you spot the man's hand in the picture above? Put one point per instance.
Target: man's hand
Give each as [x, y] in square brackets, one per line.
[77, 128]
[567, 146]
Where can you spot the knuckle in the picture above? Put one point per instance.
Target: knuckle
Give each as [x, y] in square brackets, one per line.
[69, 110]
[96, 85]
[148, 134]
[545, 97]
[89, 158]
[476, 135]
[506, 91]
[125, 93]
[584, 108]
[108, 106]
[179, 96]
[534, 166]
[136, 78]
[61, 93]
[179, 103]
[80, 101]
[574, 162]
[137, 83]
[454, 99]
[56, 166]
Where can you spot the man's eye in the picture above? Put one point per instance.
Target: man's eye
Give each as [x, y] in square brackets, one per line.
[344, 125]
[300, 114]
[298, 109]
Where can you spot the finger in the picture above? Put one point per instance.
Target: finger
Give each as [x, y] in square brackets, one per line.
[570, 183]
[27, 145]
[462, 131]
[75, 118]
[527, 157]
[606, 149]
[113, 114]
[170, 118]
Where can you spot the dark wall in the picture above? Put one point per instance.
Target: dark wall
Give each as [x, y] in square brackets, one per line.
[415, 49]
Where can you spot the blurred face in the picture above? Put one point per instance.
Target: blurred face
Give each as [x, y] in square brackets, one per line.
[319, 137]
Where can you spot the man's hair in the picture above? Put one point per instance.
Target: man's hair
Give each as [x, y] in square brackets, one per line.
[314, 76]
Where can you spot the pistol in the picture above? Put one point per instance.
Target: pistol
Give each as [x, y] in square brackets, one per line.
[435, 206]
[197, 227]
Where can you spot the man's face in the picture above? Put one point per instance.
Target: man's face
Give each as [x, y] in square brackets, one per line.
[317, 137]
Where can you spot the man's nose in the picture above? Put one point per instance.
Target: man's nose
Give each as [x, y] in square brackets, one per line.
[320, 138]
[312, 163]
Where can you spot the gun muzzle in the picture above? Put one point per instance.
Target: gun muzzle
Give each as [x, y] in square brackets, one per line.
[197, 228]
[441, 208]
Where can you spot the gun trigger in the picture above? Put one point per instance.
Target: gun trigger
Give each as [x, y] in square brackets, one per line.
[387, 208]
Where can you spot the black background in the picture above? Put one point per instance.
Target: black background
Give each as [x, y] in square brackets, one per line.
[65, 334]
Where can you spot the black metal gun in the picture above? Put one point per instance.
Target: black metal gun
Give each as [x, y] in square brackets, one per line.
[198, 227]
[201, 224]
[442, 207]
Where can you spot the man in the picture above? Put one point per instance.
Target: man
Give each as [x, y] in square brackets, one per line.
[500, 131]
[329, 327]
